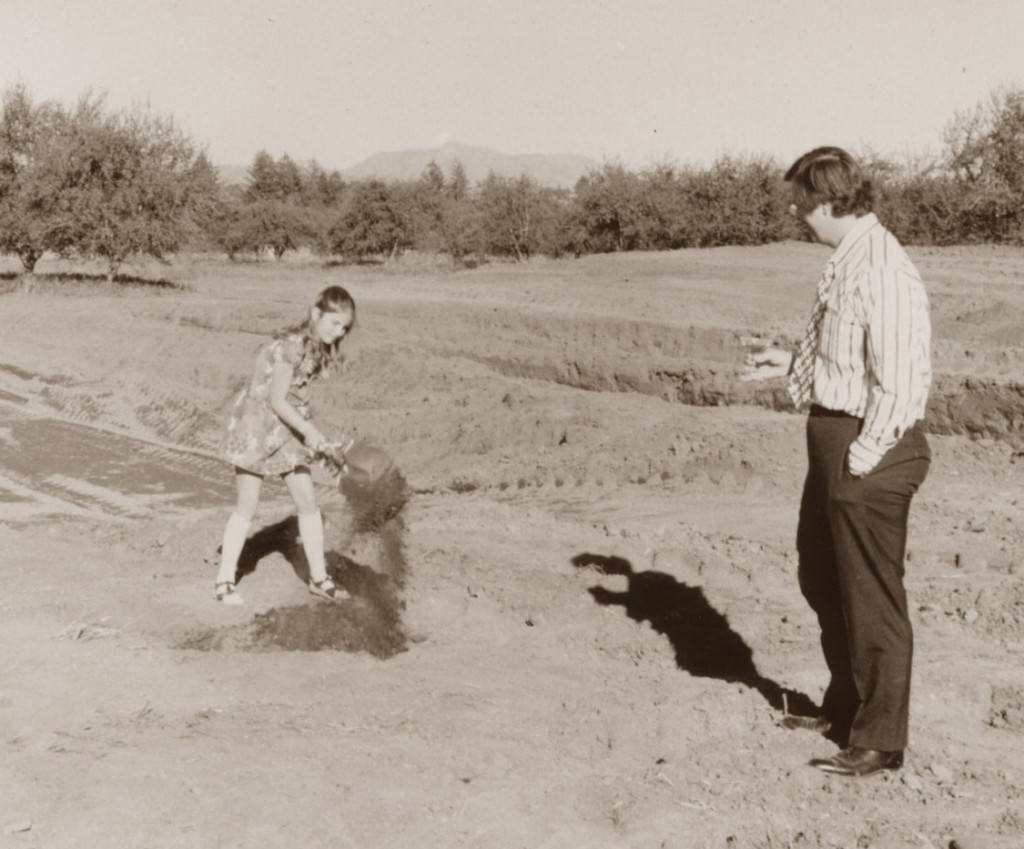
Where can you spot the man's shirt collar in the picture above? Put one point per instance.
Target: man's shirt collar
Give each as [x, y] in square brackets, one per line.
[859, 229]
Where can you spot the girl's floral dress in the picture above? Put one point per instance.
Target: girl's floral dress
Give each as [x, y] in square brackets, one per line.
[256, 439]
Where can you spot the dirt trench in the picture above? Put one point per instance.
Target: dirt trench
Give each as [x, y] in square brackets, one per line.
[701, 367]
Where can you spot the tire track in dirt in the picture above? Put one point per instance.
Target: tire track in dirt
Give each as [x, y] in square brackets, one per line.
[52, 466]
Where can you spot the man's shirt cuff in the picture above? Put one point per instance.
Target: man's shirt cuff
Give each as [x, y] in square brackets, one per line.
[864, 456]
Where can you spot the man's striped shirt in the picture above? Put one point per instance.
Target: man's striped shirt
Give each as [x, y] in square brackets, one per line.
[874, 353]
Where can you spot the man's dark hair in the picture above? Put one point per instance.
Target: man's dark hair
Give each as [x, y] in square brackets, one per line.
[831, 175]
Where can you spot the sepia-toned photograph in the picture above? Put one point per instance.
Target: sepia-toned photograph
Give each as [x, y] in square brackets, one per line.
[459, 424]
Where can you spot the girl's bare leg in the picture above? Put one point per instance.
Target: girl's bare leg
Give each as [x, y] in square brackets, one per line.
[249, 486]
[311, 531]
[311, 523]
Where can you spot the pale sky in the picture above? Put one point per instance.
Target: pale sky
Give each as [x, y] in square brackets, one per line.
[639, 81]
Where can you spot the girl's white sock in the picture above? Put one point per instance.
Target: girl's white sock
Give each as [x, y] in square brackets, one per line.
[311, 531]
[231, 548]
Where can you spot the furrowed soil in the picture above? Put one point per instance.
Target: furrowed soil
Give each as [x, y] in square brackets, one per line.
[574, 621]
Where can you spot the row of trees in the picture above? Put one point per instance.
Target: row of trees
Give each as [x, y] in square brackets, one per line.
[973, 191]
[284, 207]
[84, 181]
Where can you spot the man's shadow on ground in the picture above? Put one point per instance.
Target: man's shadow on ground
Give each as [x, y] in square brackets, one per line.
[705, 644]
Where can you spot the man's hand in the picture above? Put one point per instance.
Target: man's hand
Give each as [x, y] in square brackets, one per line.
[767, 362]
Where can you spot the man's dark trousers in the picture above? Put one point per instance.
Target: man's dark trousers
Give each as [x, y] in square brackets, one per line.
[851, 542]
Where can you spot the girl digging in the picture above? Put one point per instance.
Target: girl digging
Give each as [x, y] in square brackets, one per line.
[270, 433]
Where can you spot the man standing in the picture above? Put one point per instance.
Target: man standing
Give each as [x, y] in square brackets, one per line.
[864, 369]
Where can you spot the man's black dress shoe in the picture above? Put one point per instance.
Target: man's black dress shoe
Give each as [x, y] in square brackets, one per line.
[856, 761]
[817, 724]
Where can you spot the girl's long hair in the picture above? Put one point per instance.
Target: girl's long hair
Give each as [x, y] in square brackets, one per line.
[319, 358]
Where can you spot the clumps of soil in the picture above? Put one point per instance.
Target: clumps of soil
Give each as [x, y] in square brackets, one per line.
[361, 625]
[1007, 709]
[370, 621]
[375, 504]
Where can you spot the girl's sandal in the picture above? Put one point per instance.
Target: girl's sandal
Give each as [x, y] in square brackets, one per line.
[328, 589]
[226, 593]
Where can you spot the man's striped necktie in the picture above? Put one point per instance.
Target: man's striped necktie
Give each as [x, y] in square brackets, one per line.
[801, 378]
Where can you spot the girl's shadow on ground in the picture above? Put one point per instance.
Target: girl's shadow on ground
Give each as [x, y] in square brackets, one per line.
[280, 538]
[705, 644]
[283, 538]
[371, 621]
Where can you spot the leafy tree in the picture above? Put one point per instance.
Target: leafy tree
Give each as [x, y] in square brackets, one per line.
[985, 154]
[736, 202]
[82, 181]
[289, 179]
[320, 188]
[664, 222]
[280, 209]
[221, 228]
[127, 185]
[371, 223]
[321, 196]
[457, 187]
[432, 178]
[426, 214]
[441, 214]
[27, 212]
[518, 217]
[270, 180]
[208, 207]
[916, 197]
[460, 228]
[270, 225]
[610, 208]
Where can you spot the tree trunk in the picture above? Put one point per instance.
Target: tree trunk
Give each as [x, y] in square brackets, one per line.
[515, 246]
[29, 258]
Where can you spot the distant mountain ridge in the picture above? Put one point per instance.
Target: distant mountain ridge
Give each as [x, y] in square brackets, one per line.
[232, 175]
[559, 170]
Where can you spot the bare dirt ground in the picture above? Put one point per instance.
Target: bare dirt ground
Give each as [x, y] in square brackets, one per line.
[575, 620]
